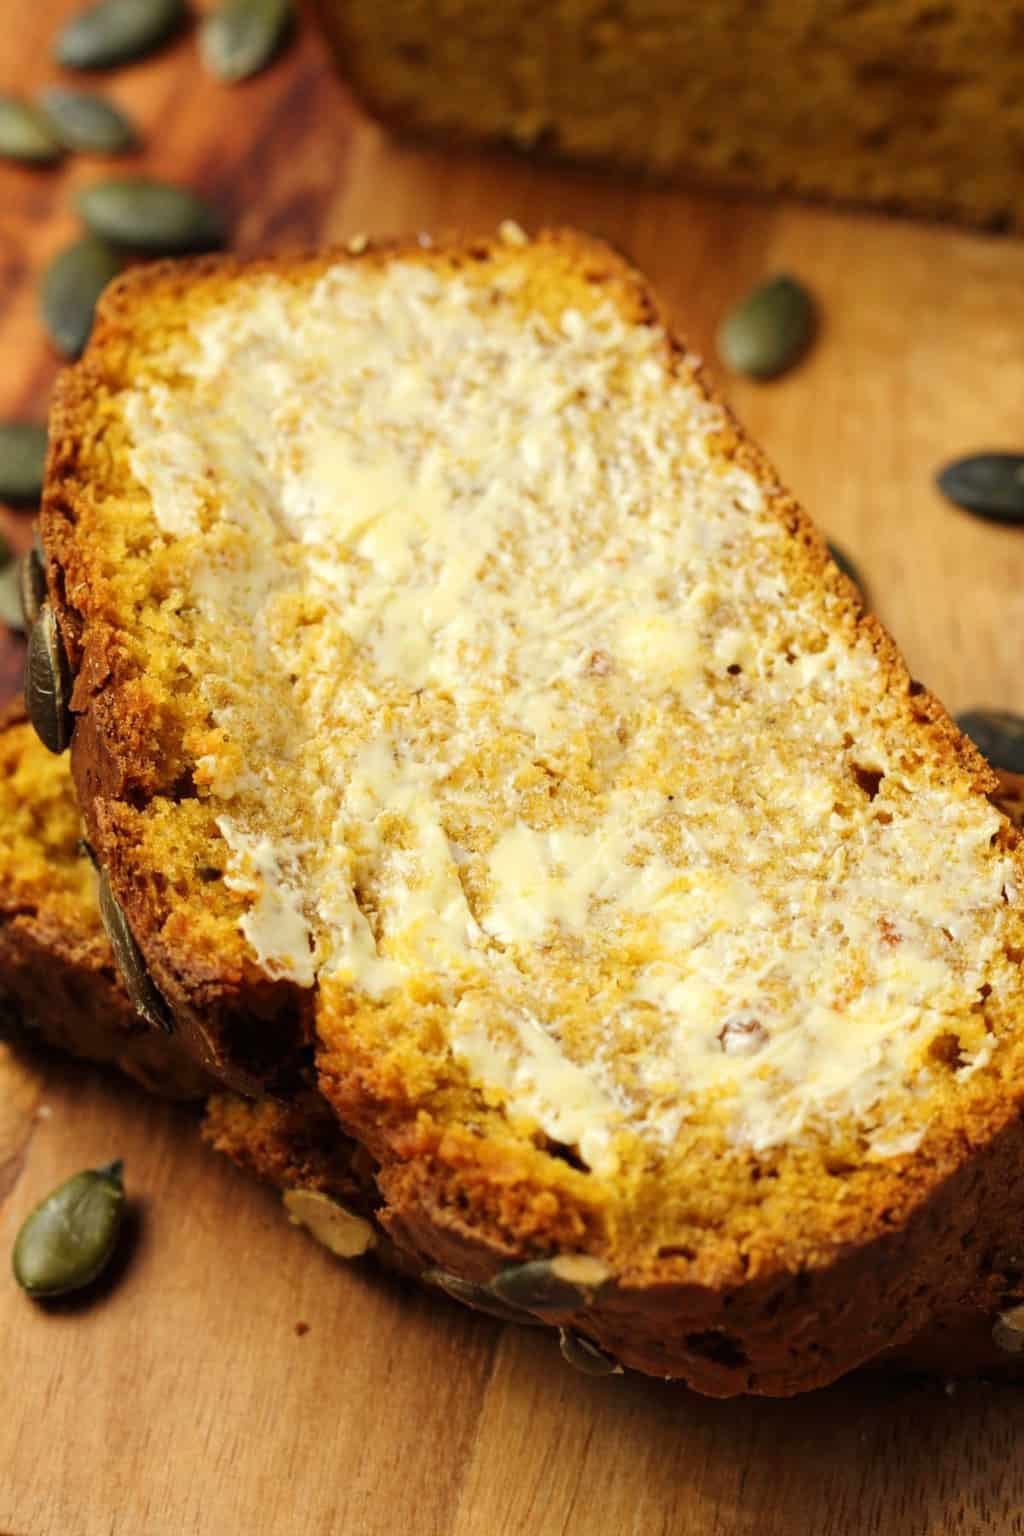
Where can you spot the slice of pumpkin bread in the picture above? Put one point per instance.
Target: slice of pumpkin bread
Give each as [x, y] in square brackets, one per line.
[298, 1148]
[461, 702]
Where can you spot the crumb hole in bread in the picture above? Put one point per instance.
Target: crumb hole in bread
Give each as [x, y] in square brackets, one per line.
[676, 1251]
[564, 1153]
[868, 779]
[945, 1050]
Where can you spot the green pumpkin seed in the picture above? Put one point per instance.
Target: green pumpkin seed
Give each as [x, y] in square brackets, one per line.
[48, 683]
[1008, 1331]
[478, 1297]
[769, 330]
[998, 735]
[150, 216]
[991, 485]
[583, 1355]
[71, 1236]
[70, 288]
[22, 460]
[31, 583]
[10, 595]
[562, 1284]
[90, 124]
[25, 133]
[241, 37]
[115, 31]
[142, 991]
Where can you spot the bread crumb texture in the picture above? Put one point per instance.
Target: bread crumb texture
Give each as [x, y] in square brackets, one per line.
[896, 103]
[42, 866]
[478, 675]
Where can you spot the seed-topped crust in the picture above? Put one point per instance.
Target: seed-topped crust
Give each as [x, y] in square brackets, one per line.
[460, 699]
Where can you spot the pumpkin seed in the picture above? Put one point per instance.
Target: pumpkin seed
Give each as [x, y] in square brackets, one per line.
[347, 1235]
[31, 582]
[25, 133]
[847, 566]
[71, 1236]
[87, 123]
[241, 37]
[998, 735]
[990, 485]
[562, 1284]
[48, 683]
[70, 288]
[769, 330]
[10, 595]
[142, 991]
[479, 1298]
[1008, 1331]
[22, 460]
[585, 1356]
[117, 30]
[151, 216]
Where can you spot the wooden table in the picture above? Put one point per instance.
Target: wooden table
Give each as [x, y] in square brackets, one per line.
[189, 1399]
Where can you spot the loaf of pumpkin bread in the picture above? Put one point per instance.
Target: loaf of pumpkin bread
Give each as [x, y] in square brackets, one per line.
[892, 104]
[57, 977]
[464, 716]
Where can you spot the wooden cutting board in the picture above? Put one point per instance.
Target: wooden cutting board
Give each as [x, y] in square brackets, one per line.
[236, 1379]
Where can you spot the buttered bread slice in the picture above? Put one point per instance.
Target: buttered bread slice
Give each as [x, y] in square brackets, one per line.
[465, 715]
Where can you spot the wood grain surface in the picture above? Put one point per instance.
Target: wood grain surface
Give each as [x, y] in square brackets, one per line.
[188, 1398]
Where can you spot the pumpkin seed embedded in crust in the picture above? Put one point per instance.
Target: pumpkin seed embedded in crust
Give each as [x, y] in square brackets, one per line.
[138, 213]
[998, 735]
[479, 1298]
[70, 289]
[32, 582]
[768, 331]
[347, 1235]
[584, 1355]
[241, 37]
[563, 1284]
[48, 683]
[22, 460]
[115, 31]
[26, 134]
[991, 485]
[147, 1001]
[87, 123]
[71, 1236]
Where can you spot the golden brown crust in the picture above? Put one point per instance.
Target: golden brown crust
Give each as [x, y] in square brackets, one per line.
[821, 1290]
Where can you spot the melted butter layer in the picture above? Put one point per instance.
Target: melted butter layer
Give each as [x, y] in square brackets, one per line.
[531, 709]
